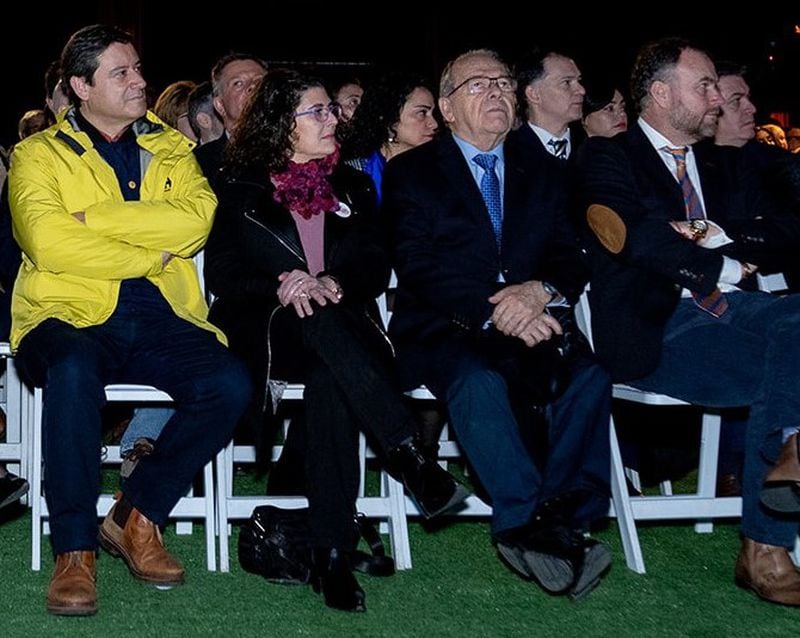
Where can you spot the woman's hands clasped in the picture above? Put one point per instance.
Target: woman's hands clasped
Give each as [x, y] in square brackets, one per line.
[298, 288]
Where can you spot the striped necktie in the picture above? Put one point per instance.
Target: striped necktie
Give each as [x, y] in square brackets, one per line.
[559, 148]
[715, 303]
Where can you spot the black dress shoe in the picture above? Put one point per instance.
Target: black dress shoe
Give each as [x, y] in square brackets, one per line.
[594, 565]
[333, 576]
[532, 557]
[433, 489]
[12, 488]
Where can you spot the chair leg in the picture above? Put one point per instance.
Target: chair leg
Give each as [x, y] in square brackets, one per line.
[36, 483]
[623, 509]
[224, 470]
[210, 517]
[398, 522]
[707, 469]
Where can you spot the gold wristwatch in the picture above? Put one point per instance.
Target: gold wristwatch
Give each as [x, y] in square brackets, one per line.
[698, 228]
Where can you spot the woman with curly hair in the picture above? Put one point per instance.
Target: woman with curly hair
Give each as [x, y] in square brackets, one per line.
[296, 261]
[395, 115]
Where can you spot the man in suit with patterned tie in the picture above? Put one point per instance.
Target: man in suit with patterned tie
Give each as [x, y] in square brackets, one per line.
[485, 259]
[551, 96]
[677, 228]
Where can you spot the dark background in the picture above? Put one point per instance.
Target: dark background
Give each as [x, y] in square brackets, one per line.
[181, 41]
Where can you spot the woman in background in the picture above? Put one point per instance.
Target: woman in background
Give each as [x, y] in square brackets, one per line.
[604, 112]
[396, 114]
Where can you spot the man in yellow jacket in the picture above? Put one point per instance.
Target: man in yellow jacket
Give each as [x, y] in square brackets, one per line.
[109, 206]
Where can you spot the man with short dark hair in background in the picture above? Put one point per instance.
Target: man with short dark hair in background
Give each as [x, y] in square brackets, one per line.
[551, 95]
[233, 79]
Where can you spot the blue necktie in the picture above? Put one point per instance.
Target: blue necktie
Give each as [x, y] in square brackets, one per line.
[490, 189]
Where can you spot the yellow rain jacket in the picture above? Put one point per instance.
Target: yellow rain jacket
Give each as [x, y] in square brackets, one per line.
[72, 271]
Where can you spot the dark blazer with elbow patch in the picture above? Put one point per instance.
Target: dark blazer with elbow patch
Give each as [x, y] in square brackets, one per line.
[637, 276]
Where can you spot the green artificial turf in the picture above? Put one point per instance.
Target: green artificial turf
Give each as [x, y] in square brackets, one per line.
[458, 587]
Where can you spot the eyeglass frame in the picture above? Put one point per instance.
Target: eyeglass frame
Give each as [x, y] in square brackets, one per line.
[496, 81]
[333, 108]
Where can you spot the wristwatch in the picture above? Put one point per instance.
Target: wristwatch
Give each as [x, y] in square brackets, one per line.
[698, 228]
[551, 290]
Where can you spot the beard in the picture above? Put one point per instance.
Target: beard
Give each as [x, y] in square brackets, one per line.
[697, 125]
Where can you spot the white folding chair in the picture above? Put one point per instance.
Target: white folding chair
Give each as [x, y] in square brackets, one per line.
[188, 508]
[14, 450]
[448, 448]
[702, 506]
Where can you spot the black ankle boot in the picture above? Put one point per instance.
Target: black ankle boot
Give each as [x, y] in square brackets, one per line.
[432, 488]
[332, 575]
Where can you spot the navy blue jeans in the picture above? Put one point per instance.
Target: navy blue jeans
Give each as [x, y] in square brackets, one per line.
[577, 455]
[747, 357]
[141, 345]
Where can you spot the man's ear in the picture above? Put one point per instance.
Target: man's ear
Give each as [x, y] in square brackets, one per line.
[661, 93]
[80, 86]
[446, 109]
[219, 107]
[532, 94]
[204, 120]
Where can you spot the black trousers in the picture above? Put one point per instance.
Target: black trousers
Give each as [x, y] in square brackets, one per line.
[349, 388]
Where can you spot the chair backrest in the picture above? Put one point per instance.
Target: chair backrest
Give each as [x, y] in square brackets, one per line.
[583, 316]
[775, 282]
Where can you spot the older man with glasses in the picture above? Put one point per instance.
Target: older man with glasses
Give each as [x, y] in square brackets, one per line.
[487, 268]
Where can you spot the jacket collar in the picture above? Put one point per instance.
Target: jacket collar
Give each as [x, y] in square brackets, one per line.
[261, 208]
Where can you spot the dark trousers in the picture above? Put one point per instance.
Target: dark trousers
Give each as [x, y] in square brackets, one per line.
[348, 389]
[577, 457]
[143, 346]
[747, 357]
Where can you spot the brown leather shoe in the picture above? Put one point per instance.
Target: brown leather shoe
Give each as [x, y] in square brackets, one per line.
[128, 533]
[781, 491]
[72, 590]
[769, 572]
[728, 485]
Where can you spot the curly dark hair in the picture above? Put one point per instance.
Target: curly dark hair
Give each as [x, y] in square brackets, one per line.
[263, 138]
[655, 62]
[378, 114]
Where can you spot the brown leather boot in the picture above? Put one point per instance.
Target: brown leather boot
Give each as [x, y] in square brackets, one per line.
[781, 491]
[128, 533]
[769, 572]
[72, 590]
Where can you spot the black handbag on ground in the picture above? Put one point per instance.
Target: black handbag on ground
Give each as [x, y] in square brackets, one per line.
[274, 543]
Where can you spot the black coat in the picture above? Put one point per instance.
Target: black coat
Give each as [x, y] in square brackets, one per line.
[254, 239]
[445, 252]
[634, 292]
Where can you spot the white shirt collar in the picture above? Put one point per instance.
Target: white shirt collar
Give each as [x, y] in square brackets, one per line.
[545, 136]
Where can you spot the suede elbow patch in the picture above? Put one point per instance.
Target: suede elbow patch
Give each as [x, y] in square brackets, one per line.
[608, 226]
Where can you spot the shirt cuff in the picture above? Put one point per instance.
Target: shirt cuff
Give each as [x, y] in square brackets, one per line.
[731, 272]
[720, 239]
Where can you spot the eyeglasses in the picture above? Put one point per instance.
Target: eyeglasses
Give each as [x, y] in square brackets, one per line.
[479, 84]
[321, 113]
